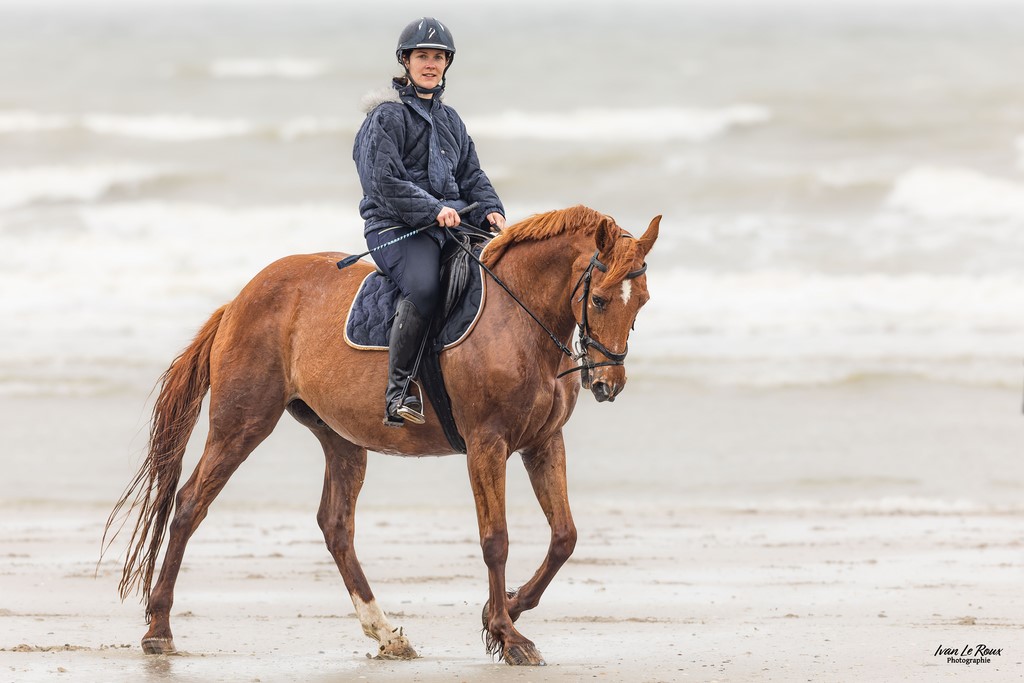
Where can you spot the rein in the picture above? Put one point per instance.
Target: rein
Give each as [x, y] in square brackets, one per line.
[587, 341]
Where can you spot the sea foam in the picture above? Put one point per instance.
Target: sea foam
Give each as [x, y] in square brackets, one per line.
[25, 121]
[166, 127]
[654, 124]
[772, 328]
[953, 192]
[135, 279]
[172, 128]
[159, 127]
[282, 67]
[24, 186]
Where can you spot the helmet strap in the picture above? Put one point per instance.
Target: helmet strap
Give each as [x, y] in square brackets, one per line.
[428, 91]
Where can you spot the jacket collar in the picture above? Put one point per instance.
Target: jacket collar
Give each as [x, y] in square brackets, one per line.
[405, 87]
[400, 91]
[407, 93]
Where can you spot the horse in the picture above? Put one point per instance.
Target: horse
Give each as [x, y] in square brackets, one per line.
[277, 346]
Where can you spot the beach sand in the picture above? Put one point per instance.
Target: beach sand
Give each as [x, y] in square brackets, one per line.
[832, 533]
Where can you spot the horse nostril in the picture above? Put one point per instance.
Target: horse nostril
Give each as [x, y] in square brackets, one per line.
[601, 392]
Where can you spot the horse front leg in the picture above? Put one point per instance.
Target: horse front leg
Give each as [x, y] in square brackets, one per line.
[487, 477]
[546, 468]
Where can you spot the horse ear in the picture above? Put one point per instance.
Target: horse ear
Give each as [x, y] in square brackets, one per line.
[647, 240]
[606, 235]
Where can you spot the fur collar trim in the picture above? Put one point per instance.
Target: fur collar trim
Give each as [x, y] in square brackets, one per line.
[375, 98]
[400, 87]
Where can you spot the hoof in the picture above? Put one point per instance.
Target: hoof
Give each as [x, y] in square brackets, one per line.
[158, 646]
[524, 654]
[398, 648]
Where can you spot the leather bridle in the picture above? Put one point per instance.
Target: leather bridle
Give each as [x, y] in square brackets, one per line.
[586, 338]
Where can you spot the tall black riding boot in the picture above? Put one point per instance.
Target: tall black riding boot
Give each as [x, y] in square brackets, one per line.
[407, 332]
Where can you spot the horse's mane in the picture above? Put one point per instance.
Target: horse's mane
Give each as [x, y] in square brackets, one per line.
[575, 219]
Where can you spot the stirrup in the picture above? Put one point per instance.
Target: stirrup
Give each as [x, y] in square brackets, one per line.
[408, 412]
[402, 415]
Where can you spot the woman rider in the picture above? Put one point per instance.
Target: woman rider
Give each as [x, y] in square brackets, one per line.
[417, 164]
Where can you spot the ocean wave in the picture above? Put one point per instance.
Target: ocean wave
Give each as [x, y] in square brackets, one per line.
[157, 127]
[780, 328]
[889, 240]
[25, 186]
[131, 281]
[765, 302]
[21, 121]
[957, 193]
[312, 126]
[590, 125]
[172, 128]
[585, 125]
[282, 68]
[775, 370]
[166, 127]
[855, 173]
[656, 124]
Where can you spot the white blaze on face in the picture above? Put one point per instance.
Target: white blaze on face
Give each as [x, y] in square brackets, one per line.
[627, 290]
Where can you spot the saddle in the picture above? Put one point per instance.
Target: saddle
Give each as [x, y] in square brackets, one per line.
[369, 319]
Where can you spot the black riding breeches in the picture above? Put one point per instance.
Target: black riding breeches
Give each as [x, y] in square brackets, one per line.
[414, 264]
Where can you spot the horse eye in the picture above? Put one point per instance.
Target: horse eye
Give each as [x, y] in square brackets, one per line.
[599, 303]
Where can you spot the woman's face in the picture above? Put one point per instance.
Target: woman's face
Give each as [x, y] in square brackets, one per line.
[426, 66]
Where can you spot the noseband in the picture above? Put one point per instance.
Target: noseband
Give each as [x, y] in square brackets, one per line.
[587, 341]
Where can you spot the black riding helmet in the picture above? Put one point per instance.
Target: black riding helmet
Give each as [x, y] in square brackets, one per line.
[425, 32]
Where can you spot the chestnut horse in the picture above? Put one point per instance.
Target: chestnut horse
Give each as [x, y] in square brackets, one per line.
[279, 346]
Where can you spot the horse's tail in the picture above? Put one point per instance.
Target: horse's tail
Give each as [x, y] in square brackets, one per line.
[152, 490]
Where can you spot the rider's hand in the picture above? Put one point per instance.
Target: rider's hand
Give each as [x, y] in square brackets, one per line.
[448, 217]
[497, 221]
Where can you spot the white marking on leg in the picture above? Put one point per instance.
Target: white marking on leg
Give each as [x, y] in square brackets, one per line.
[372, 618]
[393, 643]
[627, 290]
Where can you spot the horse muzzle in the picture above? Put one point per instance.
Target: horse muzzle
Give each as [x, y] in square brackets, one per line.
[605, 392]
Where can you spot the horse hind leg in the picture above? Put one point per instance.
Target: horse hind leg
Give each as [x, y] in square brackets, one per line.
[236, 429]
[343, 479]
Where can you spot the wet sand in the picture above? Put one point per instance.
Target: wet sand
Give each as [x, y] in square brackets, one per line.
[814, 534]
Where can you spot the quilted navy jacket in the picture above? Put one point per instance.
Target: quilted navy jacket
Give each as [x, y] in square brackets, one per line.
[414, 156]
